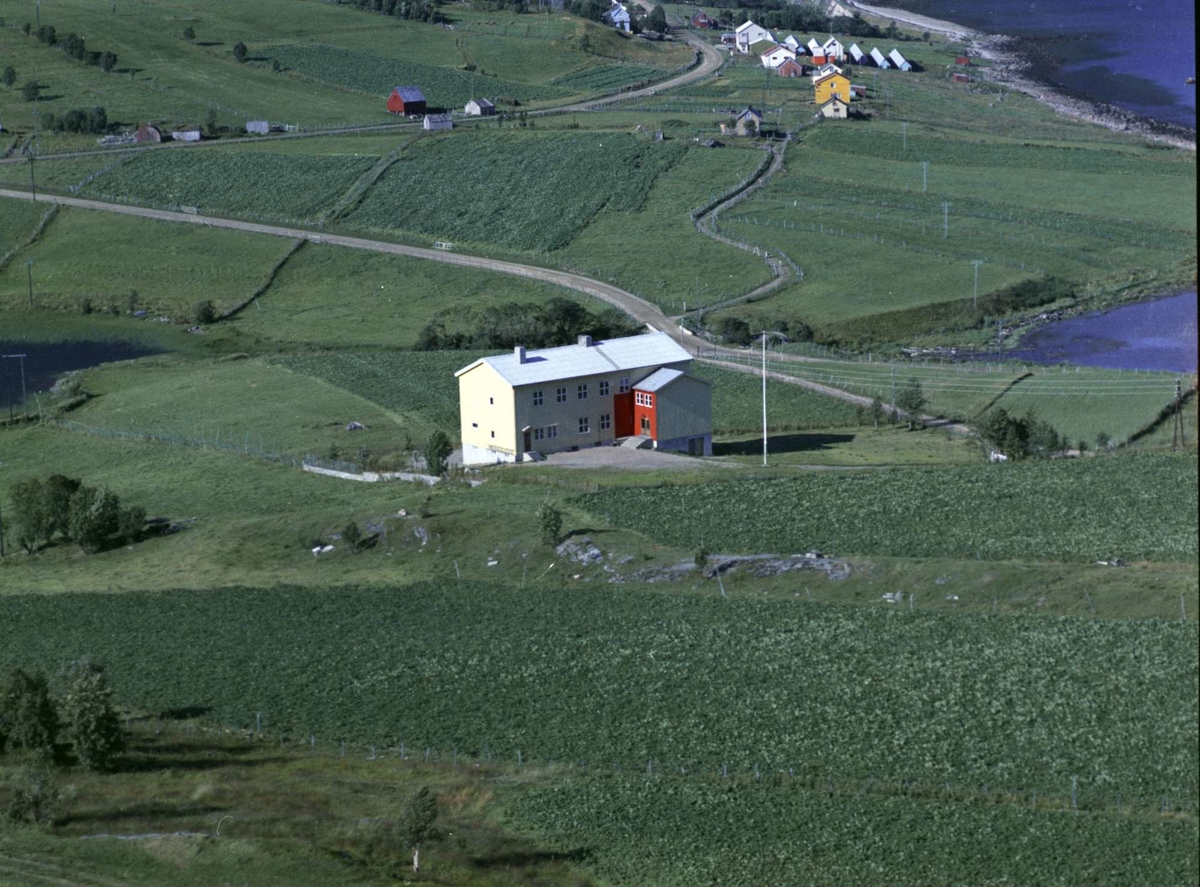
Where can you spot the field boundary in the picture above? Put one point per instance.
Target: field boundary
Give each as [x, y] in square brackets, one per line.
[268, 280]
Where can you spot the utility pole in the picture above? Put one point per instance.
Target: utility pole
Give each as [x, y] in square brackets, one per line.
[893, 391]
[924, 176]
[21, 358]
[1177, 436]
[1, 534]
[764, 395]
[32, 180]
[7, 394]
[904, 136]
[29, 272]
[976, 263]
[945, 220]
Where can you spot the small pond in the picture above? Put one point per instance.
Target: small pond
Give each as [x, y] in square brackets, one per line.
[1155, 335]
[46, 361]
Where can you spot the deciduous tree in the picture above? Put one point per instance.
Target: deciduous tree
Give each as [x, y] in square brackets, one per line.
[91, 723]
[416, 823]
[28, 720]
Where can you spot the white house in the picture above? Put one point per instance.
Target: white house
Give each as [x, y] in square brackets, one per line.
[825, 70]
[791, 43]
[776, 56]
[834, 51]
[618, 17]
[857, 55]
[814, 48]
[479, 108]
[749, 33]
[878, 59]
[899, 61]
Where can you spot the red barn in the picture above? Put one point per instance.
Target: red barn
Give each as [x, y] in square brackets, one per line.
[406, 100]
[960, 78]
[702, 20]
[963, 60]
[790, 68]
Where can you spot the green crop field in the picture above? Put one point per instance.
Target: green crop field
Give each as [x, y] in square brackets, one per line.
[255, 184]
[737, 404]
[523, 191]
[89, 260]
[672, 831]
[1138, 508]
[605, 77]
[629, 677]
[344, 298]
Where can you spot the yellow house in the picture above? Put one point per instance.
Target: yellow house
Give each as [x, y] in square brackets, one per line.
[832, 84]
[517, 407]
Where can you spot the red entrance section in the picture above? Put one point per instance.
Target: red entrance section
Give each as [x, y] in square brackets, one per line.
[623, 424]
[645, 421]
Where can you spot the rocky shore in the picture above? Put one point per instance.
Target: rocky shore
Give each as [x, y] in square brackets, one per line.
[1020, 65]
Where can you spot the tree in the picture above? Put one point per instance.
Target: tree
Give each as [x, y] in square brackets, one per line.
[28, 720]
[657, 20]
[352, 535]
[876, 411]
[1103, 440]
[210, 122]
[108, 61]
[92, 725]
[31, 518]
[9, 77]
[911, 400]
[131, 522]
[205, 312]
[416, 822]
[239, 51]
[30, 91]
[94, 517]
[437, 451]
[189, 33]
[59, 490]
[550, 521]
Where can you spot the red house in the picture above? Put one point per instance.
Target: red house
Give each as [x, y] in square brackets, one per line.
[819, 58]
[963, 60]
[406, 100]
[790, 68]
[702, 20]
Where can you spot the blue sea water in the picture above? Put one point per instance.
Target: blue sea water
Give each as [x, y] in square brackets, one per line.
[1136, 54]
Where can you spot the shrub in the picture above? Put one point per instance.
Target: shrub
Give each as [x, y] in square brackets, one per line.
[9, 76]
[205, 312]
[437, 451]
[34, 797]
[27, 717]
[416, 822]
[95, 517]
[352, 536]
[31, 518]
[550, 521]
[91, 723]
[239, 51]
[189, 33]
[30, 91]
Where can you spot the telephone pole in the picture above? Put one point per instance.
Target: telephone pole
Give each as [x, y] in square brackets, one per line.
[924, 176]
[764, 395]
[945, 220]
[29, 272]
[1177, 435]
[976, 263]
[904, 136]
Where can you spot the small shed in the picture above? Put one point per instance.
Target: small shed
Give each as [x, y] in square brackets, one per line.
[878, 59]
[749, 122]
[437, 121]
[147, 133]
[791, 42]
[858, 90]
[479, 108]
[186, 133]
[703, 21]
[899, 61]
[857, 55]
[258, 127]
[963, 60]
[834, 51]
[960, 77]
[790, 68]
[835, 108]
[406, 100]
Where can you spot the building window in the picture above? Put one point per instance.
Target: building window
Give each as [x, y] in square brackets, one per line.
[492, 400]
[584, 426]
[539, 433]
[581, 391]
[604, 389]
[623, 386]
[537, 398]
[643, 400]
[606, 422]
[474, 424]
[551, 431]
[493, 435]
[561, 394]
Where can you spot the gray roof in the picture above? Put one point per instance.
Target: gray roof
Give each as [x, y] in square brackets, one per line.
[483, 103]
[410, 93]
[660, 379]
[571, 361]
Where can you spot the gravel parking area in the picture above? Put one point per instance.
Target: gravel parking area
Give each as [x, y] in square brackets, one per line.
[624, 457]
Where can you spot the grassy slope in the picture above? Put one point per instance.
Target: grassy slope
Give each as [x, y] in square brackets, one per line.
[100, 257]
[18, 220]
[338, 298]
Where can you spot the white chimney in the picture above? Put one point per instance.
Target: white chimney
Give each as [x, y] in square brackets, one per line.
[519, 351]
[585, 341]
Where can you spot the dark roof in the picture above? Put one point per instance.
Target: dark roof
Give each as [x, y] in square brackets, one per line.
[483, 103]
[750, 111]
[410, 94]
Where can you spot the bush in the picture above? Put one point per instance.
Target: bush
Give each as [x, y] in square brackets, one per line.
[351, 535]
[30, 91]
[189, 33]
[239, 51]
[34, 797]
[437, 451]
[550, 521]
[9, 76]
[30, 517]
[205, 312]
[1020, 438]
[95, 517]
[558, 322]
[416, 822]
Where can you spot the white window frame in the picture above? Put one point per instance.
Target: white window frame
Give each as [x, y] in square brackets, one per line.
[538, 397]
[581, 391]
[623, 385]
[605, 388]
[560, 394]
[605, 421]
[551, 432]
[585, 425]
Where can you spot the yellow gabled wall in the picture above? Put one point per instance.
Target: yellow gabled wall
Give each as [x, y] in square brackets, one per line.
[835, 84]
[486, 410]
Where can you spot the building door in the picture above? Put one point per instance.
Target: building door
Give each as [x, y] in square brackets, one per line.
[645, 424]
[528, 433]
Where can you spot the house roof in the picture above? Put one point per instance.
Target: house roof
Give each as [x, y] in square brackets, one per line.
[877, 56]
[483, 103]
[832, 99]
[771, 50]
[744, 25]
[829, 76]
[660, 379]
[571, 361]
[761, 47]
[855, 52]
[750, 112]
[832, 41]
[896, 57]
[409, 93]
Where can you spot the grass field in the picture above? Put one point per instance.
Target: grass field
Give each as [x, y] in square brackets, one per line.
[1079, 510]
[100, 258]
[737, 404]
[352, 299]
[950, 691]
[18, 220]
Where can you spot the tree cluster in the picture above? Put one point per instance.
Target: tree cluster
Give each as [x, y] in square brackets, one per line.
[1020, 437]
[33, 722]
[76, 47]
[413, 10]
[64, 508]
[89, 121]
[743, 331]
[557, 322]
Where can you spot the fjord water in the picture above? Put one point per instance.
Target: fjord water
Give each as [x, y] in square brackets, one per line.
[1136, 54]
[46, 361]
[1156, 335]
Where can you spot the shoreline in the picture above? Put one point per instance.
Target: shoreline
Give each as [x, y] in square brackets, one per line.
[1017, 70]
